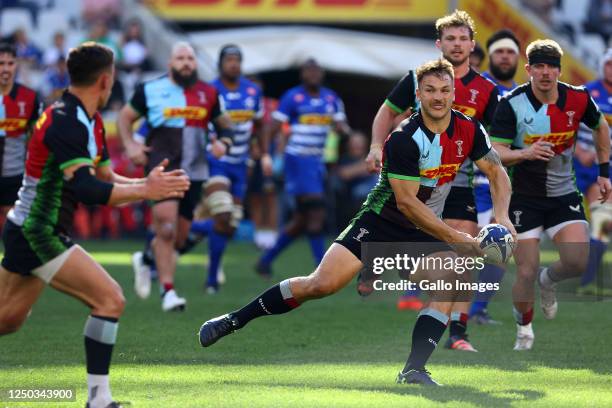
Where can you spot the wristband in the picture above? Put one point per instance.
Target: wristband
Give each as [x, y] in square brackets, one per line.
[604, 170]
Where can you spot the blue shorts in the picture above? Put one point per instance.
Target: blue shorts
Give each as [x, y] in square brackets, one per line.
[304, 175]
[585, 176]
[482, 196]
[236, 173]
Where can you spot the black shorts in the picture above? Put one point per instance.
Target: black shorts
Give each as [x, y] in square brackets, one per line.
[189, 201]
[532, 215]
[460, 205]
[20, 256]
[370, 227]
[9, 187]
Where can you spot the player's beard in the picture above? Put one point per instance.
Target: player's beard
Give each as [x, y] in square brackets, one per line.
[184, 81]
[502, 75]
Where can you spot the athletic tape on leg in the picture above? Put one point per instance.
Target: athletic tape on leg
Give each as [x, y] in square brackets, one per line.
[220, 202]
[101, 330]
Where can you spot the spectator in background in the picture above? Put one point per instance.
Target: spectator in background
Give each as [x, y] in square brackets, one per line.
[27, 52]
[105, 11]
[56, 80]
[477, 57]
[133, 48]
[542, 8]
[599, 19]
[31, 6]
[58, 50]
[356, 180]
[99, 34]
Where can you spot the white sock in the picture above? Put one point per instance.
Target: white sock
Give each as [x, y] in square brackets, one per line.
[545, 278]
[99, 391]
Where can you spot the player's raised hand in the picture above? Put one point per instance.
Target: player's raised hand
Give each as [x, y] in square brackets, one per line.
[605, 188]
[160, 185]
[540, 150]
[374, 159]
[218, 149]
[137, 153]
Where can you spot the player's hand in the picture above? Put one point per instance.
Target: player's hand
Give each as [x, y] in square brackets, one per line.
[374, 159]
[218, 149]
[540, 150]
[266, 165]
[466, 245]
[508, 224]
[137, 153]
[160, 185]
[605, 188]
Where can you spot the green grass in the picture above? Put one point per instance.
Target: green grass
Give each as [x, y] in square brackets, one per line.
[336, 352]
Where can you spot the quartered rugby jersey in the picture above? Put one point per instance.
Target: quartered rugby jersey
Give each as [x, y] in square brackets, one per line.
[18, 111]
[243, 105]
[64, 135]
[415, 153]
[603, 99]
[178, 121]
[475, 96]
[310, 118]
[521, 120]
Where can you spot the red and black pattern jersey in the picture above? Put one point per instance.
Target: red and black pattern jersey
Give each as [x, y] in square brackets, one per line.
[521, 120]
[19, 109]
[64, 135]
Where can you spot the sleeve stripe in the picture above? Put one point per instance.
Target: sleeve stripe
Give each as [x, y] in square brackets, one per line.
[106, 162]
[393, 107]
[72, 162]
[402, 177]
[501, 140]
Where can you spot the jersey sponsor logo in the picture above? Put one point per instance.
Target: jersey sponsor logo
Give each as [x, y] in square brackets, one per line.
[570, 118]
[558, 139]
[444, 170]
[188, 112]
[241, 115]
[315, 119]
[12, 125]
[466, 110]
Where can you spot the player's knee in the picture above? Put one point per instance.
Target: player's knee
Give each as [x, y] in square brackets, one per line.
[167, 232]
[526, 274]
[576, 266]
[111, 304]
[319, 287]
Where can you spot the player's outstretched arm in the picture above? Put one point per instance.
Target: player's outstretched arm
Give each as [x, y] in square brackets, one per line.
[423, 217]
[490, 164]
[158, 185]
[381, 127]
[106, 173]
[601, 138]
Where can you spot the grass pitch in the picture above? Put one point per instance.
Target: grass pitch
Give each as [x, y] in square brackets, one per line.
[336, 352]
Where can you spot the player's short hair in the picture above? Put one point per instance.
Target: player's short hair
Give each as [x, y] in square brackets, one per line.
[458, 18]
[6, 48]
[548, 48]
[439, 68]
[87, 62]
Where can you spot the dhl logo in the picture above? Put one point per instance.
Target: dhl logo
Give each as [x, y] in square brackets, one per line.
[556, 138]
[315, 119]
[41, 121]
[11, 125]
[444, 170]
[466, 110]
[188, 112]
[241, 115]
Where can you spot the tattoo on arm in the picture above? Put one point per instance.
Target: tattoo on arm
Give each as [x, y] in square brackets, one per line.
[492, 157]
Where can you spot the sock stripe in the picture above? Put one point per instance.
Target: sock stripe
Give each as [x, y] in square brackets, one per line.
[523, 318]
[436, 314]
[285, 289]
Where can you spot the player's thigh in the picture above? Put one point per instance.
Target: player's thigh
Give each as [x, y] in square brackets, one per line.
[338, 267]
[165, 215]
[83, 278]
[17, 295]
[467, 226]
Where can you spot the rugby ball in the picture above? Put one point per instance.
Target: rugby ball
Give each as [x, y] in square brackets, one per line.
[496, 242]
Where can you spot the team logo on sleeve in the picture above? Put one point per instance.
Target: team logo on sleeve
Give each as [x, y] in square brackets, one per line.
[362, 232]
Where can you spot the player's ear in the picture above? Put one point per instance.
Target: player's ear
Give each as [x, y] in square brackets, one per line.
[528, 69]
[438, 43]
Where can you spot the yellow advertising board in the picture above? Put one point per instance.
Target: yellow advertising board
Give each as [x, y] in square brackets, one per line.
[365, 11]
[492, 15]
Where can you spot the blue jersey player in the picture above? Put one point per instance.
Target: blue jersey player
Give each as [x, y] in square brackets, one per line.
[311, 110]
[586, 171]
[226, 187]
